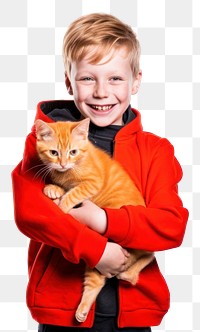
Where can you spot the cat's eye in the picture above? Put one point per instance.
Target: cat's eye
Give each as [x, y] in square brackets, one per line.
[73, 152]
[54, 153]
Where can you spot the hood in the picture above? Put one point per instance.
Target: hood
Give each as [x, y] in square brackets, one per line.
[66, 110]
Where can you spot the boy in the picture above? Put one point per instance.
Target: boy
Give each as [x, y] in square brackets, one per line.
[101, 56]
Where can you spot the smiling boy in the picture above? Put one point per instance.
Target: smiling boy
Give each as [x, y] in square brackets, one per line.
[101, 56]
[102, 92]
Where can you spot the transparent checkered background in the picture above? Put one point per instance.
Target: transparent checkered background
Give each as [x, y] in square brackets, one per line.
[31, 70]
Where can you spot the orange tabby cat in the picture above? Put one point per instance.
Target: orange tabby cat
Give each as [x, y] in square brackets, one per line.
[80, 171]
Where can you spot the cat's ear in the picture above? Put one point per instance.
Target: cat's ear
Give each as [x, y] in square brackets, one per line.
[43, 131]
[81, 130]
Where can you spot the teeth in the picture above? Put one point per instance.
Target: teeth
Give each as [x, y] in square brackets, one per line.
[102, 108]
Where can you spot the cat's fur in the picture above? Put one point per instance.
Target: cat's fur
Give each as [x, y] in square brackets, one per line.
[80, 171]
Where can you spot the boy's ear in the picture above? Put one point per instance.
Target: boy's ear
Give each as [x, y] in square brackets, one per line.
[68, 84]
[136, 83]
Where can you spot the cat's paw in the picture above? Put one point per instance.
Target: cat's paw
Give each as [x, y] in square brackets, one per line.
[131, 278]
[54, 192]
[81, 315]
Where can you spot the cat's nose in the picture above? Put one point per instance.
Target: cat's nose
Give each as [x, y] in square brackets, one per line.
[63, 165]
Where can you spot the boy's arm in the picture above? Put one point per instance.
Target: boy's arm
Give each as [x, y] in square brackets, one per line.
[161, 224]
[41, 220]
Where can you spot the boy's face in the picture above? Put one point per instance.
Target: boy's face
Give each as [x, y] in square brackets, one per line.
[103, 91]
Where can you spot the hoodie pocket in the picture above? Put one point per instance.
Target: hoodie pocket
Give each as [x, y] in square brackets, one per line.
[49, 271]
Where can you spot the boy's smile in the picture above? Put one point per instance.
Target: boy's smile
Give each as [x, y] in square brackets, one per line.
[103, 91]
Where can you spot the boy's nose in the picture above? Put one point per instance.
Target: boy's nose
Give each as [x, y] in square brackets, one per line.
[100, 90]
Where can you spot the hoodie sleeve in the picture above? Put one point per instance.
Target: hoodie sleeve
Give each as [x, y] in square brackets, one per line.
[40, 219]
[161, 224]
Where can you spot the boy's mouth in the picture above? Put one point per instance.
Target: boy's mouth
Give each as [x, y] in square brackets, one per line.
[101, 107]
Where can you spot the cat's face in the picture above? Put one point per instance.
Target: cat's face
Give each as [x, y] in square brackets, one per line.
[61, 145]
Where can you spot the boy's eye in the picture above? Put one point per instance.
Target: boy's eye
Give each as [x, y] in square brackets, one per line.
[86, 79]
[116, 78]
[73, 152]
[54, 153]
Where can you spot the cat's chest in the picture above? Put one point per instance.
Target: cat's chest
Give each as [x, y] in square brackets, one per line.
[66, 180]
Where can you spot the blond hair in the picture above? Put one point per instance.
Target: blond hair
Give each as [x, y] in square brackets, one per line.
[99, 34]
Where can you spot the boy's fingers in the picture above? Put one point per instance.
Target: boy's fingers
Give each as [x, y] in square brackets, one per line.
[126, 253]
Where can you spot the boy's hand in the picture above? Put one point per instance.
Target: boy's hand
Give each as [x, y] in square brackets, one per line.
[91, 215]
[115, 258]
[113, 261]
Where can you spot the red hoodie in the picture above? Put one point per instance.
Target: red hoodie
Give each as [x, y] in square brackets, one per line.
[60, 246]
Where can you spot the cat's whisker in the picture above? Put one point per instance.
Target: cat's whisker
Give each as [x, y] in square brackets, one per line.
[43, 169]
[39, 173]
[46, 174]
[31, 168]
[43, 172]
